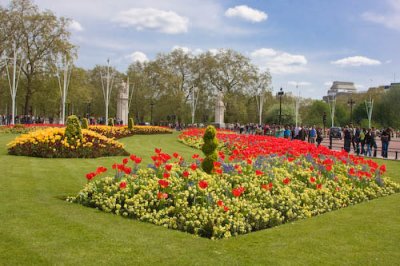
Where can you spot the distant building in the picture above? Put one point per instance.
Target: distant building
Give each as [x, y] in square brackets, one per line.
[340, 88]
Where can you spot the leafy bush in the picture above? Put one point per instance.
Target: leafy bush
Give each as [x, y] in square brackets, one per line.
[209, 149]
[73, 132]
[85, 123]
[53, 143]
[130, 123]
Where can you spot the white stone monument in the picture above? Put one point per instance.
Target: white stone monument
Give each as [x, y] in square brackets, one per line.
[122, 103]
[219, 111]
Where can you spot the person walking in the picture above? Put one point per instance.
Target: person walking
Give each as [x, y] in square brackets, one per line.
[319, 136]
[312, 135]
[385, 138]
[362, 140]
[374, 133]
[347, 139]
[356, 139]
[367, 140]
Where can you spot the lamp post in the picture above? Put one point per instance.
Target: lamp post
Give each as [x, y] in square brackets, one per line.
[151, 112]
[350, 102]
[280, 94]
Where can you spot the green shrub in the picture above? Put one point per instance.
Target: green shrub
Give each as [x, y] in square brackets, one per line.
[130, 123]
[111, 122]
[73, 131]
[209, 149]
[85, 123]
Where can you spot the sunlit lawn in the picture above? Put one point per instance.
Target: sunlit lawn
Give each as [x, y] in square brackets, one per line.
[38, 227]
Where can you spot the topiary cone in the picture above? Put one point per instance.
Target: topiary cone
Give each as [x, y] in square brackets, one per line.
[85, 123]
[73, 132]
[130, 123]
[209, 149]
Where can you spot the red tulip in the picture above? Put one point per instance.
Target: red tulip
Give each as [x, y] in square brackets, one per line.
[185, 174]
[193, 166]
[166, 175]
[168, 167]
[259, 172]
[163, 183]
[122, 185]
[203, 184]
[286, 180]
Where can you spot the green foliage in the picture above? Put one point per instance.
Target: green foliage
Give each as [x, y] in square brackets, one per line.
[73, 132]
[209, 149]
[130, 123]
[111, 122]
[85, 123]
[312, 114]
[64, 177]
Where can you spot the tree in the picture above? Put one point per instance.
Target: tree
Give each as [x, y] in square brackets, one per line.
[312, 114]
[260, 86]
[39, 35]
[228, 71]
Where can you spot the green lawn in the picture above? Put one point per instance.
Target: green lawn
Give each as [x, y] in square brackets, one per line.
[37, 227]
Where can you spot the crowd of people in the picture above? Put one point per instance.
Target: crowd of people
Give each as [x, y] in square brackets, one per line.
[364, 141]
[311, 134]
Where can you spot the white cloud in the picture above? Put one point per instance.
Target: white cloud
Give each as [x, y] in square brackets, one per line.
[138, 57]
[185, 49]
[75, 26]
[390, 19]
[153, 19]
[356, 61]
[299, 83]
[279, 62]
[213, 51]
[246, 13]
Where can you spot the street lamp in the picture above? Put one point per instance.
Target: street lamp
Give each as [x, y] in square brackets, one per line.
[350, 102]
[280, 94]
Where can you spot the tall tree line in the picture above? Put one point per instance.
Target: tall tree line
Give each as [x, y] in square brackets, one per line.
[162, 90]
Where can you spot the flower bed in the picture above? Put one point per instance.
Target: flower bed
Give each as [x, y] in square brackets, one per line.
[25, 128]
[118, 132]
[52, 143]
[245, 193]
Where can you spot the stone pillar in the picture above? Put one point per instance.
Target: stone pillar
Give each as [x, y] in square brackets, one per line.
[122, 103]
[219, 111]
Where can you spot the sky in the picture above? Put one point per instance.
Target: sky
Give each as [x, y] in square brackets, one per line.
[304, 44]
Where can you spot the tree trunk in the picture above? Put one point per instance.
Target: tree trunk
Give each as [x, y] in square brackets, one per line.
[28, 95]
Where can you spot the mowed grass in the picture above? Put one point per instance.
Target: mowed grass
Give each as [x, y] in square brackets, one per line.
[38, 227]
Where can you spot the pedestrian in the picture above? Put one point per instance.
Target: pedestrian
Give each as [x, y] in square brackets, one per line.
[347, 139]
[319, 136]
[362, 140]
[356, 139]
[312, 135]
[385, 138]
[367, 140]
[374, 133]
[287, 133]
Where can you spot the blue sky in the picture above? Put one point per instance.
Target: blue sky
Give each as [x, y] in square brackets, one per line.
[309, 43]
